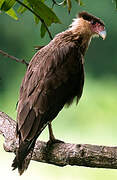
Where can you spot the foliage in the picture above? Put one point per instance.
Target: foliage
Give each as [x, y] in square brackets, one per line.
[40, 7]
[115, 3]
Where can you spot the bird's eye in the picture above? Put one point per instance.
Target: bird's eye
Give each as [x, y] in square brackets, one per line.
[93, 22]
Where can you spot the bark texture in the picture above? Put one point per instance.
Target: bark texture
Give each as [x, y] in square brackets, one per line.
[61, 153]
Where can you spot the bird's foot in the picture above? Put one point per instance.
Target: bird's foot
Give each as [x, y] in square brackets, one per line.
[52, 142]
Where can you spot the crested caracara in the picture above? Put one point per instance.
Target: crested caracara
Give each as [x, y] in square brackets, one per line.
[55, 77]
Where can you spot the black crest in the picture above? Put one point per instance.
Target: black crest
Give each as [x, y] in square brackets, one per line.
[90, 17]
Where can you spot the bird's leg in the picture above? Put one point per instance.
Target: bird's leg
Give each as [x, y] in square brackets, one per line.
[52, 138]
[51, 134]
[52, 141]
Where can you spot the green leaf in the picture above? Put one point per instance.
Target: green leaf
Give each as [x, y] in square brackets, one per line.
[43, 30]
[44, 12]
[12, 13]
[22, 9]
[7, 4]
[80, 2]
[69, 5]
[1, 2]
[36, 19]
[116, 4]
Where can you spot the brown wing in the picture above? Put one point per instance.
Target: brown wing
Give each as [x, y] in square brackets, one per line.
[54, 77]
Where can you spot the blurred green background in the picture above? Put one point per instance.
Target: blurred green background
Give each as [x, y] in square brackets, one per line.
[94, 119]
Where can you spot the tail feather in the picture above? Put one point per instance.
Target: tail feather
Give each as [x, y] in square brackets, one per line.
[23, 156]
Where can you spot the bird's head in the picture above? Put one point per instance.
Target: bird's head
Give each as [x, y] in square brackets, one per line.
[88, 24]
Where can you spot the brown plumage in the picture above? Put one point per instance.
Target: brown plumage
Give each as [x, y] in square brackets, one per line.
[55, 76]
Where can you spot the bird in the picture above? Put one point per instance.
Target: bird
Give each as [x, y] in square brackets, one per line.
[54, 78]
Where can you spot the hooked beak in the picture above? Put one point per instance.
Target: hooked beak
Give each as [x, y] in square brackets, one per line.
[103, 34]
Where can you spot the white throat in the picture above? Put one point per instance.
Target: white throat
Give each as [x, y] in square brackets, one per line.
[75, 24]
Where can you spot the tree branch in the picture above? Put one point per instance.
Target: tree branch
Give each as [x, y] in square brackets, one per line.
[61, 154]
[13, 58]
[36, 14]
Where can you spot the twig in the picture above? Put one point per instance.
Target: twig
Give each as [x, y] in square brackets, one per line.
[61, 154]
[36, 14]
[13, 57]
[55, 3]
[58, 4]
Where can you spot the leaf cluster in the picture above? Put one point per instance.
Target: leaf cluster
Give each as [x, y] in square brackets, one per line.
[40, 9]
[43, 13]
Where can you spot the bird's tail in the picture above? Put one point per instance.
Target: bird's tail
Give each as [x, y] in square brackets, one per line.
[21, 160]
